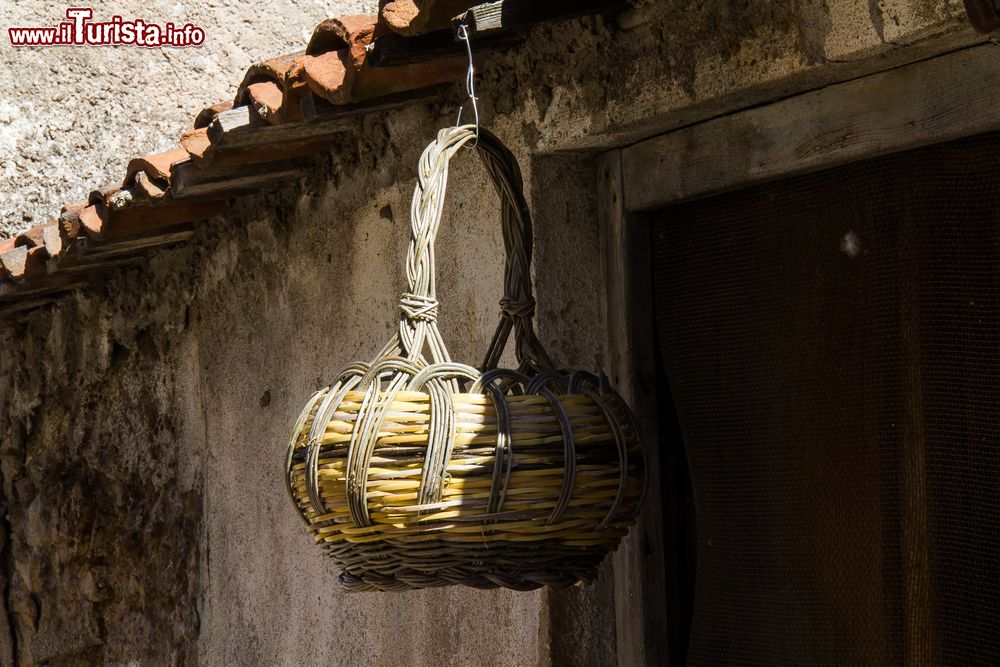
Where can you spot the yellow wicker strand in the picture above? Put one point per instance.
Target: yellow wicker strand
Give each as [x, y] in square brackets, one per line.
[414, 471]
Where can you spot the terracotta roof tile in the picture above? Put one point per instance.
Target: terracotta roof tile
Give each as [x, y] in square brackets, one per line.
[331, 76]
[285, 108]
[101, 195]
[91, 222]
[334, 34]
[208, 114]
[416, 17]
[338, 64]
[104, 198]
[275, 88]
[268, 98]
[196, 143]
[376, 82]
[22, 263]
[71, 209]
[148, 188]
[273, 69]
[156, 166]
[52, 239]
[34, 236]
[69, 221]
[335, 53]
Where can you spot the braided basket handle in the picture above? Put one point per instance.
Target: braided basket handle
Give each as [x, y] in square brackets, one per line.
[418, 306]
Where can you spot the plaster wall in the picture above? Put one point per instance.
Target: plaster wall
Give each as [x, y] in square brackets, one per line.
[71, 117]
[145, 419]
[168, 397]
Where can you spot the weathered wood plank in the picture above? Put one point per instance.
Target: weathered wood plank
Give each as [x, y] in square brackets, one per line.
[24, 304]
[141, 221]
[11, 291]
[391, 50]
[89, 257]
[241, 128]
[80, 270]
[952, 96]
[316, 110]
[238, 136]
[629, 363]
[190, 180]
[96, 256]
[234, 120]
[491, 17]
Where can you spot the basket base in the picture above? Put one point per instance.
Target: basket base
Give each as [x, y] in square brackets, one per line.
[496, 566]
[414, 580]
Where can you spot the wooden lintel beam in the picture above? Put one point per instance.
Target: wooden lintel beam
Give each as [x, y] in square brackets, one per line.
[948, 97]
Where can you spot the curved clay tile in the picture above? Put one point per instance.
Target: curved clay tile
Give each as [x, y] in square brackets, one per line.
[415, 17]
[45, 236]
[267, 99]
[346, 32]
[69, 220]
[91, 222]
[196, 143]
[284, 93]
[21, 263]
[156, 166]
[147, 188]
[331, 76]
[208, 114]
[100, 196]
[338, 69]
[33, 237]
[335, 53]
[52, 239]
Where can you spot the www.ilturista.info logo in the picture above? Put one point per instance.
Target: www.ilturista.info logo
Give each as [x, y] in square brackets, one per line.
[79, 30]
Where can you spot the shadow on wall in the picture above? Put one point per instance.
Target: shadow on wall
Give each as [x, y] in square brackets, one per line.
[567, 263]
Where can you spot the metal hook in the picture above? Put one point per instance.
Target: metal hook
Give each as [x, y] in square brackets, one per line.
[470, 80]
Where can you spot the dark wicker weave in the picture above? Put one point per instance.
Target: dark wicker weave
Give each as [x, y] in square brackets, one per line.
[414, 471]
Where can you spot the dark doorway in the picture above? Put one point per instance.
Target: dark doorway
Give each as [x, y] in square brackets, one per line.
[679, 526]
[832, 345]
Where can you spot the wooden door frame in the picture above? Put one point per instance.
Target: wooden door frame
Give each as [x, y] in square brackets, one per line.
[947, 97]
[629, 338]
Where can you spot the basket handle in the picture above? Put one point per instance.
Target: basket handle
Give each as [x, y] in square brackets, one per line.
[419, 306]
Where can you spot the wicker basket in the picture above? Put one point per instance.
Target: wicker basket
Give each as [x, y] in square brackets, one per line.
[414, 471]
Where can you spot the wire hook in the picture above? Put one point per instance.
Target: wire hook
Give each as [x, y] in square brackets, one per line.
[470, 80]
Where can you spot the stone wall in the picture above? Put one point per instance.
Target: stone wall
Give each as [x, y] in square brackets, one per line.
[146, 419]
[71, 117]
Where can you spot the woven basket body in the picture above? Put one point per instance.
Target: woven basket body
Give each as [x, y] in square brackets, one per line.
[414, 471]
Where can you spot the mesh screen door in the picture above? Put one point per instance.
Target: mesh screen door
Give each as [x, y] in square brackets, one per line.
[832, 343]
